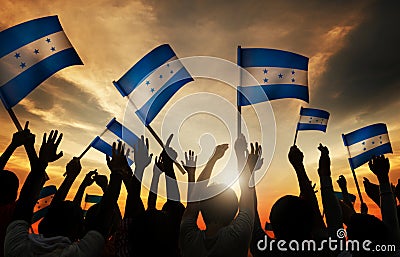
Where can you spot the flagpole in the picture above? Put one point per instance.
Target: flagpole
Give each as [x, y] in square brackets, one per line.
[354, 174]
[158, 139]
[12, 114]
[90, 145]
[297, 127]
[239, 107]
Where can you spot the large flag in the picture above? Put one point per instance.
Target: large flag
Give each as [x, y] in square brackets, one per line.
[42, 205]
[367, 142]
[114, 132]
[313, 119]
[30, 53]
[152, 81]
[279, 74]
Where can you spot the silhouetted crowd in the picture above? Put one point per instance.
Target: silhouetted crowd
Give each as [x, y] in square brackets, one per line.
[233, 226]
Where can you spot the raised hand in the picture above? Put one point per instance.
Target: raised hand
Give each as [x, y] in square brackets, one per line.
[158, 167]
[118, 163]
[219, 151]
[295, 156]
[190, 162]
[254, 156]
[24, 137]
[380, 166]
[48, 150]
[324, 161]
[89, 178]
[73, 167]
[342, 182]
[241, 148]
[141, 153]
[169, 152]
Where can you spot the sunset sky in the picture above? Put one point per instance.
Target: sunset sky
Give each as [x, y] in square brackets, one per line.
[354, 72]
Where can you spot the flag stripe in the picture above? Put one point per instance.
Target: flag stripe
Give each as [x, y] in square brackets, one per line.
[304, 126]
[40, 214]
[255, 57]
[142, 93]
[254, 94]
[10, 66]
[151, 108]
[364, 133]
[368, 144]
[313, 120]
[360, 159]
[143, 68]
[47, 190]
[122, 132]
[104, 147]
[36, 74]
[314, 113]
[93, 198]
[274, 75]
[27, 32]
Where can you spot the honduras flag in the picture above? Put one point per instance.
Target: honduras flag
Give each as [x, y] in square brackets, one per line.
[152, 81]
[42, 205]
[367, 142]
[115, 132]
[279, 74]
[30, 53]
[313, 119]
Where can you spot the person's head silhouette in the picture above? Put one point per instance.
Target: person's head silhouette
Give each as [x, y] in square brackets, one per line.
[291, 218]
[220, 209]
[9, 184]
[63, 219]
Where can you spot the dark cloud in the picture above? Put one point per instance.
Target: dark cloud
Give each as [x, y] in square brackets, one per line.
[363, 77]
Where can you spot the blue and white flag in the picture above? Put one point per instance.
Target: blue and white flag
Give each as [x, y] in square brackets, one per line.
[30, 53]
[115, 132]
[339, 196]
[42, 205]
[152, 81]
[279, 74]
[313, 119]
[91, 200]
[367, 142]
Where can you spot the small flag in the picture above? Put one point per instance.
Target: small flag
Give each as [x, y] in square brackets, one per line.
[90, 200]
[30, 53]
[313, 119]
[115, 132]
[367, 142]
[339, 196]
[152, 81]
[279, 74]
[42, 205]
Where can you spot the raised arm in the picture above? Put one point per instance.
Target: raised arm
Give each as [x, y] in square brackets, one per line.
[24, 137]
[157, 171]
[87, 181]
[169, 156]
[345, 193]
[372, 190]
[118, 165]
[73, 169]
[329, 201]
[380, 166]
[190, 166]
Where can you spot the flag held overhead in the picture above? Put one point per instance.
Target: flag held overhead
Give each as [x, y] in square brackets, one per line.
[313, 119]
[364, 143]
[152, 81]
[29, 54]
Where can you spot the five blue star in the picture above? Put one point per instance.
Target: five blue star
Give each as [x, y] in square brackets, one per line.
[265, 80]
[293, 80]
[17, 55]
[171, 71]
[152, 90]
[365, 149]
[160, 76]
[265, 71]
[147, 83]
[36, 51]
[280, 75]
[22, 65]
[293, 72]
[53, 49]
[167, 64]
[48, 40]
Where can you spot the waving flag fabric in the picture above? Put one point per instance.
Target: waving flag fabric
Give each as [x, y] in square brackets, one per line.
[42, 205]
[279, 74]
[367, 142]
[115, 132]
[313, 119]
[30, 53]
[152, 81]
